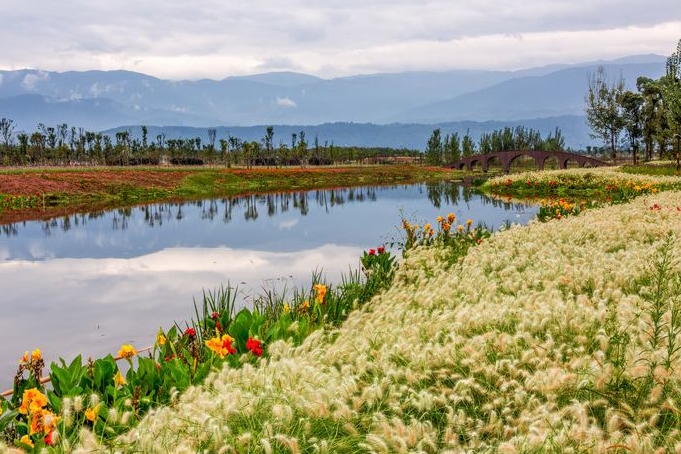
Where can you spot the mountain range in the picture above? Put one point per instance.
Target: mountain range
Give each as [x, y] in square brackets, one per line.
[382, 104]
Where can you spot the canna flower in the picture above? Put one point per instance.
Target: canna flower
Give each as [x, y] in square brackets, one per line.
[446, 226]
[119, 379]
[36, 355]
[221, 346]
[439, 219]
[27, 441]
[304, 306]
[287, 308]
[214, 315]
[451, 218]
[24, 358]
[469, 222]
[426, 227]
[372, 252]
[42, 421]
[127, 351]
[51, 438]
[91, 413]
[381, 249]
[32, 401]
[254, 346]
[320, 293]
[190, 332]
[161, 339]
[459, 228]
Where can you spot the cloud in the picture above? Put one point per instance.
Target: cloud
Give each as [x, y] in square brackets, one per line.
[287, 224]
[216, 39]
[32, 79]
[285, 102]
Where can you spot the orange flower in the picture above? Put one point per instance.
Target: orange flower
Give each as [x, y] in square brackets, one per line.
[451, 218]
[445, 226]
[32, 401]
[24, 359]
[36, 355]
[127, 351]
[320, 293]
[91, 413]
[221, 346]
[27, 441]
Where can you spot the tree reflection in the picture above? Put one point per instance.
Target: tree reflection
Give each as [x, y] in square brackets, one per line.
[276, 203]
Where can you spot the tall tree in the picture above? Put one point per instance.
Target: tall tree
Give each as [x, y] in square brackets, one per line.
[467, 145]
[434, 148]
[6, 131]
[632, 111]
[603, 110]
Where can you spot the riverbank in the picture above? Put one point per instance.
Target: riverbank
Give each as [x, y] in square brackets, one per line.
[559, 336]
[42, 193]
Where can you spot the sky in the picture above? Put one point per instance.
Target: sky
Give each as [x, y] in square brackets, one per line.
[328, 38]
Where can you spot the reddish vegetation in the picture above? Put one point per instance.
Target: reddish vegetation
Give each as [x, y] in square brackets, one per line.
[86, 181]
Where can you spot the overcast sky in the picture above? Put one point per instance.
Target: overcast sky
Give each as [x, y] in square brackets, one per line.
[219, 38]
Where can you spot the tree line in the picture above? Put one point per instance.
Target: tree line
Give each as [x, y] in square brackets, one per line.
[60, 145]
[647, 120]
[451, 148]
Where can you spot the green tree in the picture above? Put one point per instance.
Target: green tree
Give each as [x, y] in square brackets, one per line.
[467, 145]
[632, 111]
[434, 148]
[603, 110]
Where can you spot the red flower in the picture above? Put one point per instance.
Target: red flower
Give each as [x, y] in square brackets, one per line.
[51, 438]
[169, 358]
[190, 332]
[218, 326]
[254, 346]
[381, 249]
[214, 315]
[372, 252]
[227, 345]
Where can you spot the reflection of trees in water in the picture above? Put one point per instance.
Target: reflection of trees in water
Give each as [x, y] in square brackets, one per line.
[448, 193]
[439, 194]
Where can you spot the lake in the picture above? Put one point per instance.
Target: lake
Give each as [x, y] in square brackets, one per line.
[86, 283]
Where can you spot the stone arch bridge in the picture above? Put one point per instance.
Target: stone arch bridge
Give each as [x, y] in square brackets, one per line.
[506, 158]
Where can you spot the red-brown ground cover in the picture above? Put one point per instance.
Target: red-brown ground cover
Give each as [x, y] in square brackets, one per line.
[86, 181]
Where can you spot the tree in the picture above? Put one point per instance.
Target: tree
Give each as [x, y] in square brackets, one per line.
[603, 110]
[632, 112]
[6, 131]
[434, 148]
[467, 145]
[454, 148]
[671, 91]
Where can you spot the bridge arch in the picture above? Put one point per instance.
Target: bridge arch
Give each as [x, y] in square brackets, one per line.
[540, 158]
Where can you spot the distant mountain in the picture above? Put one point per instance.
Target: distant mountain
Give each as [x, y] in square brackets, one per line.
[396, 135]
[98, 100]
[556, 93]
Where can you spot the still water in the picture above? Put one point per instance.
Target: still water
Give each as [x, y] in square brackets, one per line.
[85, 284]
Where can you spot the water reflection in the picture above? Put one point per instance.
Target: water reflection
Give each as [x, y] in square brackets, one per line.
[87, 283]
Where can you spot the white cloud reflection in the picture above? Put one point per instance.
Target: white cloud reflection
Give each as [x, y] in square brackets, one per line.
[91, 306]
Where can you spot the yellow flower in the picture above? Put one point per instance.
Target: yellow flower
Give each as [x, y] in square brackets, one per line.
[36, 355]
[161, 339]
[31, 401]
[24, 359]
[42, 421]
[439, 219]
[287, 308]
[451, 218]
[459, 228]
[127, 351]
[27, 441]
[221, 346]
[119, 379]
[469, 222]
[426, 227]
[91, 413]
[320, 292]
[304, 306]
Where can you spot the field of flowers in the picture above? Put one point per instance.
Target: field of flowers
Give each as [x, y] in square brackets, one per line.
[562, 336]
